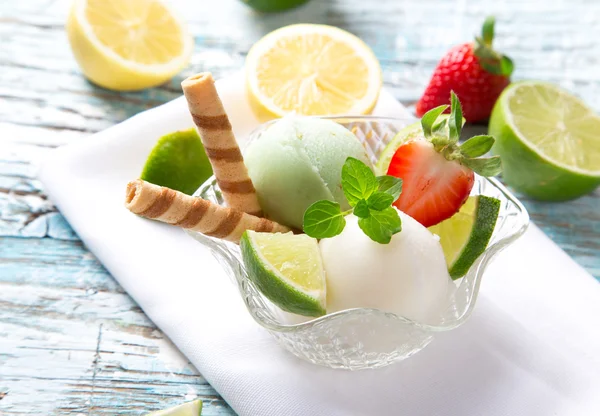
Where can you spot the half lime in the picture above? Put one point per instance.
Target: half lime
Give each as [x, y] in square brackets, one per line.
[549, 141]
[178, 161]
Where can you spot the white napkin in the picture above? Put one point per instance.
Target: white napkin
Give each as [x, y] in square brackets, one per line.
[532, 346]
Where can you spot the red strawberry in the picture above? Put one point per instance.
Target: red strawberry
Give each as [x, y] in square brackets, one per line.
[437, 173]
[475, 72]
[433, 188]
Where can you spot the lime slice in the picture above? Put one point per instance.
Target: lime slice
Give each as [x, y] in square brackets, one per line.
[466, 234]
[287, 269]
[187, 409]
[178, 161]
[273, 5]
[410, 132]
[548, 140]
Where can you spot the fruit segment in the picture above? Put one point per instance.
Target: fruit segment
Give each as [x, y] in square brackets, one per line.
[193, 408]
[287, 269]
[466, 234]
[434, 188]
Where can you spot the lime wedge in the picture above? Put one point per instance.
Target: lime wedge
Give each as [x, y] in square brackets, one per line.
[548, 139]
[187, 409]
[273, 5]
[287, 269]
[178, 161]
[466, 234]
[410, 132]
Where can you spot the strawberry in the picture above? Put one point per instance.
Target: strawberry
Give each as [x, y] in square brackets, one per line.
[437, 172]
[475, 72]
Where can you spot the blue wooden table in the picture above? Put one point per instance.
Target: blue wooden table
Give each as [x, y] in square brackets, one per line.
[71, 341]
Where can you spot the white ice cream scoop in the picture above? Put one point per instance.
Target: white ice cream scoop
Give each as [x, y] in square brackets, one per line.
[408, 276]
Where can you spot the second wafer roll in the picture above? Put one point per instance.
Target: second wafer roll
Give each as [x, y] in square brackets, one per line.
[176, 208]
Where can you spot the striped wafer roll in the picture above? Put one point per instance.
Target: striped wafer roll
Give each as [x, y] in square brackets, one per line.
[176, 208]
[220, 144]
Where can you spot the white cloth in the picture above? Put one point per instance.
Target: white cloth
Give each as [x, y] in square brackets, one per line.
[532, 346]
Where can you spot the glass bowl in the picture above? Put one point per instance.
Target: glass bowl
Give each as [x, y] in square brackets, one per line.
[363, 338]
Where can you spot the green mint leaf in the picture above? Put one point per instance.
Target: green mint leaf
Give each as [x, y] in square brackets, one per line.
[429, 118]
[323, 219]
[487, 31]
[379, 201]
[487, 166]
[477, 146]
[358, 181]
[390, 185]
[380, 226]
[361, 209]
[455, 119]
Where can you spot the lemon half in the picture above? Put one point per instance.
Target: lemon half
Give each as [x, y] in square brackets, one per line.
[312, 70]
[128, 45]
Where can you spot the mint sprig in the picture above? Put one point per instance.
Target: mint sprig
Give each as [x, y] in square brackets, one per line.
[371, 198]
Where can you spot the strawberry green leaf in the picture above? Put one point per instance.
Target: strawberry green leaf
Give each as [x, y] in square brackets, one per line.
[489, 166]
[380, 226]
[358, 181]
[390, 185]
[487, 31]
[455, 119]
[429, 118]
[506, 66]
[477, 146]
[323, 219]
[379, 201]
[441, 127]
[361, 209]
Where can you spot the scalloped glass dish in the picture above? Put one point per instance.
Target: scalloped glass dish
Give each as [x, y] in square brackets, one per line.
[366, 338]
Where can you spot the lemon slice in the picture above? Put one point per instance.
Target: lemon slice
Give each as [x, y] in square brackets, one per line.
[287, 269]
[127, 45]
[311, 70]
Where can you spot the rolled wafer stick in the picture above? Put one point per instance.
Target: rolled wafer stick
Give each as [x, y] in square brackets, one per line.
[220, 144]
[176, 208]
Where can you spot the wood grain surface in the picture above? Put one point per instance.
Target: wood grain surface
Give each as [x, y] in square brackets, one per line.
[71, 341]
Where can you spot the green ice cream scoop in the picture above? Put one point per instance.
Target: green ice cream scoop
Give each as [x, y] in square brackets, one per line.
[298, 161]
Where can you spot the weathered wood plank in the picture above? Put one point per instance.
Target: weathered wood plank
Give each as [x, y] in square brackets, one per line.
[72, 340]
